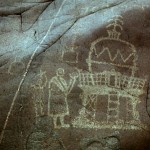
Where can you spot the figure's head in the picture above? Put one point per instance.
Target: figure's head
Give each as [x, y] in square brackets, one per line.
[60, 72]
[39, 82]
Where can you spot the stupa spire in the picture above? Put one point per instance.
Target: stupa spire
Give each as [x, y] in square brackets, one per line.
[114, 27]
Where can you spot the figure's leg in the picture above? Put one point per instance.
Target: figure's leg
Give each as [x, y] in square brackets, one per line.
[36, 107]
[41, 108]
[42, 103]
[55, 121]
[36, 111]
[62, 122]
[136, 115]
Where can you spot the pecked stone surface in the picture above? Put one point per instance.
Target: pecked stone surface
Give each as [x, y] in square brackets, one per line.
[74, 75]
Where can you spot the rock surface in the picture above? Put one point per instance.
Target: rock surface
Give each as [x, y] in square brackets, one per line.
[74, 75]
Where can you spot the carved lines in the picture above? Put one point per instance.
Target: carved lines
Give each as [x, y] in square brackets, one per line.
[26, 71]
[38, 93]
[57, 101]
[18, 65]
[115, 56]
[113, 107]
[112, 84]
[117, 23]
[104, 78]
[71, 50]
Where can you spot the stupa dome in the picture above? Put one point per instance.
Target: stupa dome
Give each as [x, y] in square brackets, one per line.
[113, 52]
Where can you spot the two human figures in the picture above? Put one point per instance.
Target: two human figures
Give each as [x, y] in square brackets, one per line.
[58, 91]
[57, 101]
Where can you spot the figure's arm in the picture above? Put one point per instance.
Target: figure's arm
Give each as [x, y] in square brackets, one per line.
[45, 82]
[49, 85]
[72, 82]
[32, 86]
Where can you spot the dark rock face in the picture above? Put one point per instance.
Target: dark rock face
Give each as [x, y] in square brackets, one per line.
[74, 75]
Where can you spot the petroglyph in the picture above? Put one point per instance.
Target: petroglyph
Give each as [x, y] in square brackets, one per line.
[40, 48]
[58, 92]
[38, 93]
[115, 86]
[116, 55]
[117, 23]
[69, 54]
[119, 60]
[16, 66]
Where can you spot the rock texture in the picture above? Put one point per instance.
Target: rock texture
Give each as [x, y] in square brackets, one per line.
[74, 75]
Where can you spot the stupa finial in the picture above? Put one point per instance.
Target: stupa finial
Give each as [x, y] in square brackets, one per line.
[114, 27]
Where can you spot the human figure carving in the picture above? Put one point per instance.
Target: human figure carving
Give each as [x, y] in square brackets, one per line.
[38, 93]
[58, 92]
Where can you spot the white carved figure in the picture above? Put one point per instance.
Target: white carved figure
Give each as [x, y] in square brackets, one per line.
[116, 57]
[71, 50]
[57, 102]
[16, 67]
[38, 93]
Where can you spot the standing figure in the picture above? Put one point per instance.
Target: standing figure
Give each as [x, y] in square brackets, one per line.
[58, 92]
[38, 93]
